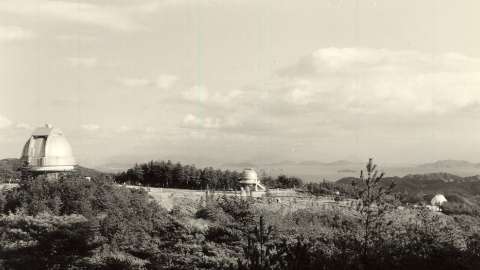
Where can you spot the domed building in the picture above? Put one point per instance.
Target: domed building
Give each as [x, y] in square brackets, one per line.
[48, 152]
[250, 180]
[438, 200]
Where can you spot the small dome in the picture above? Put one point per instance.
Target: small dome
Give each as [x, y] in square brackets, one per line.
[47, 149]
[438, 200]
[249, 176]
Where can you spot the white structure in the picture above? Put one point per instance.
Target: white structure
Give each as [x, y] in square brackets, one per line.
[47, 150]
[438, 200]
[250, 180]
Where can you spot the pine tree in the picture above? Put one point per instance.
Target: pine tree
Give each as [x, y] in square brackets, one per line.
[372, 206]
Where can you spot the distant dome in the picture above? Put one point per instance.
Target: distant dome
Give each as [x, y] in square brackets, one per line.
[438, 200]
[249, 176]
[47, 150]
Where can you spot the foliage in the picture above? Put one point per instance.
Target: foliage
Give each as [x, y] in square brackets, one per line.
[46, 241]
[372, 206]
[282, 181]
[79, 224]
[260, 252]
[167, 174]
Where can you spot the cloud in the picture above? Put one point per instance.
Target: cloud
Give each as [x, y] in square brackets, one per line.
[379, 81]
[15, 33]
[201, 94]
[162, 81]
[134, 82]
[193, 121]
[84, 62]
[106, 16]
[76, 38]
[341, 91]
[150, 129]
[4, 121]
[196, 93]
[123, 129]
[24, 126]
[90, 127]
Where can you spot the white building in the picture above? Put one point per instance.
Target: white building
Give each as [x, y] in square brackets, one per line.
[47, 151]
[250, 181]
[438, 200]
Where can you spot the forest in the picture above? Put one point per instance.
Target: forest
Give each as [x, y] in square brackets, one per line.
[175, 175]
[80, 224]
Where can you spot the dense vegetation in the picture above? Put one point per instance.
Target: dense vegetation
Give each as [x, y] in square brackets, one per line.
[80, 224]
[11, 170]
[175, 175]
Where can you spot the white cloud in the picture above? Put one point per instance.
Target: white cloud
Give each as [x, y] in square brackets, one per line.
[90, 127]
[193, 121]
[124, 128]
[338, 91]
[150, 130]
[84, 62]
[383, 81]
[203, 95]
[164, 81]
[197, 94]
[134, 82]
[76, 38]
[106, 16]
[14, 33]
[24, 126]
[4, 121]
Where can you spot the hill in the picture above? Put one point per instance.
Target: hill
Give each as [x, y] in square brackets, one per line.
[10, 169]
[431, 183]
[448, 164]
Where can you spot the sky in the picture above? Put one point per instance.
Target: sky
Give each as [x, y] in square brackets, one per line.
[219, 81]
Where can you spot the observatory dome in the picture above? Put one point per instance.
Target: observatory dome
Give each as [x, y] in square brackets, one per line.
[249, 176]
[47, 150]
[438, 200]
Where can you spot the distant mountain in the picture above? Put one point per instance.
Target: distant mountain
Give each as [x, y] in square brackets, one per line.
[343, 163]
[84, 171]
[114, 167]
[338, 163]
[449, 164]
[311, 163]
[239, 165]
[430, 183]
[281, 163]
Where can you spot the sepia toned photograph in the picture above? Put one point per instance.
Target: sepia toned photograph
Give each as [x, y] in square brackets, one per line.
[239, 135]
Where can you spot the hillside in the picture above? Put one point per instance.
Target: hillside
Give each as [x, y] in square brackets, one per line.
[449, 163]
[431, 183]
[10, 169]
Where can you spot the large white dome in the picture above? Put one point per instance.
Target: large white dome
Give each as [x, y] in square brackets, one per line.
[48, 150]
[249, 176]
[438, 200]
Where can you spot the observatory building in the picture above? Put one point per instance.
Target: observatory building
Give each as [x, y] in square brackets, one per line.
[249, 181]
[47, 152]
[438, 200]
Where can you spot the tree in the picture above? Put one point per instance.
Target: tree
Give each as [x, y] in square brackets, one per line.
[46, 241]
[372, 207]
[260, 252]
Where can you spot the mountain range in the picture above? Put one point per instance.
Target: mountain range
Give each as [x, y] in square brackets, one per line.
[309, 170]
